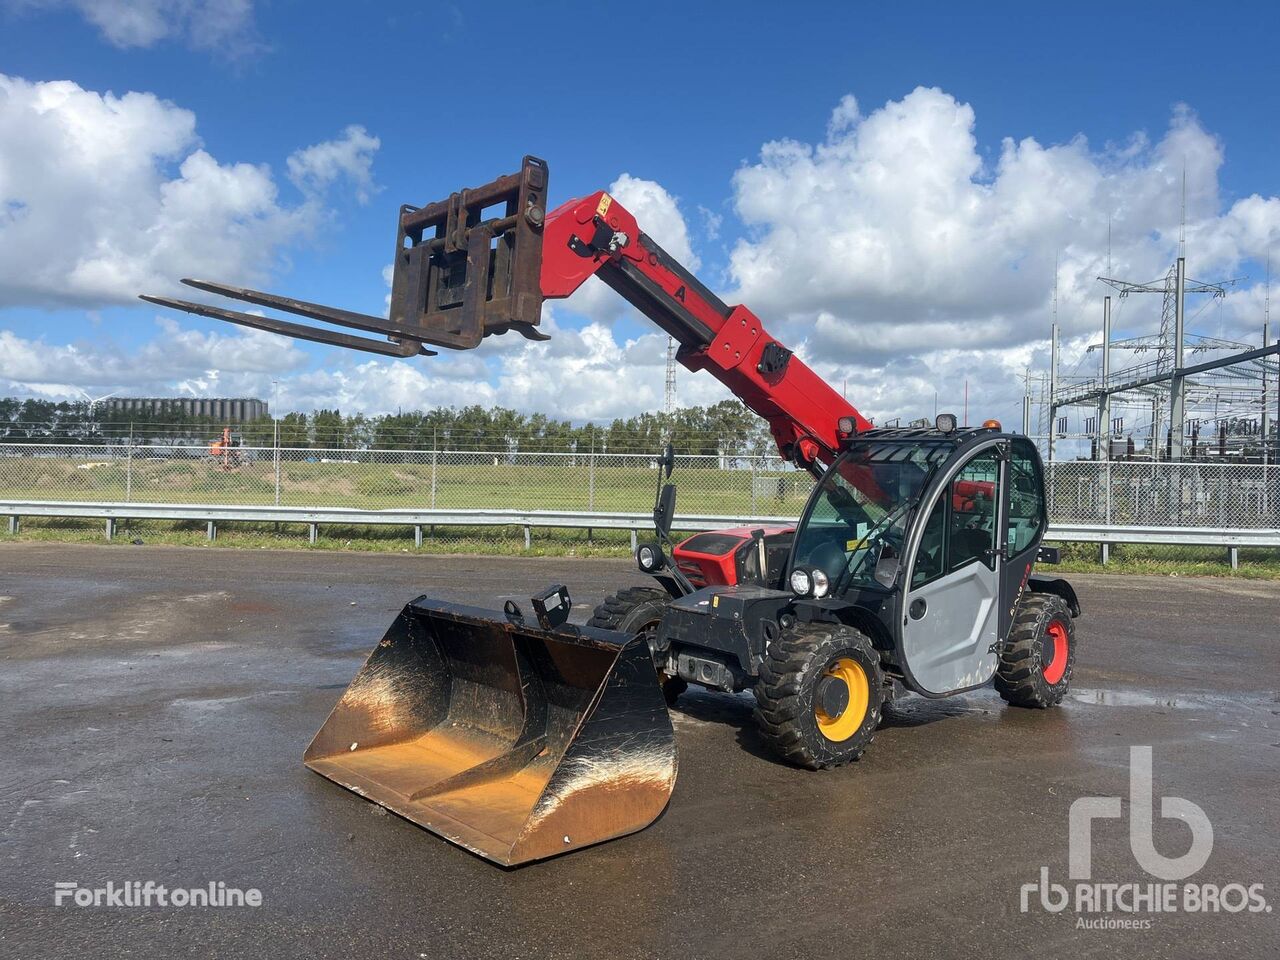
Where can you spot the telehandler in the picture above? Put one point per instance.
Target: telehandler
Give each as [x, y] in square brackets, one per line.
[910, 570]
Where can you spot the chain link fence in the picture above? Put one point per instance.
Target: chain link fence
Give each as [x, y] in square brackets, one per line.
[387, 479]
[383, 479]
[1186, 494]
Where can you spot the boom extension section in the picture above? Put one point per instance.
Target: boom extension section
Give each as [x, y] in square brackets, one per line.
[481, 262]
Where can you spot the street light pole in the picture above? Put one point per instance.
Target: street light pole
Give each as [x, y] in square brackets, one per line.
[275, 424]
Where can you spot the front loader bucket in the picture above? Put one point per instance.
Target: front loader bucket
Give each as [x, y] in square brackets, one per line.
[510, 739]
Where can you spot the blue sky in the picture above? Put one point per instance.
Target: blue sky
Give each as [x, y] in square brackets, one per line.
[683, 97]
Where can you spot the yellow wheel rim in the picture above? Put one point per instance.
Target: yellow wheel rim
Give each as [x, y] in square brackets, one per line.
[843, 727]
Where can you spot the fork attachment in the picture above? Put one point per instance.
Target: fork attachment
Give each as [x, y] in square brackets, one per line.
[457, 276]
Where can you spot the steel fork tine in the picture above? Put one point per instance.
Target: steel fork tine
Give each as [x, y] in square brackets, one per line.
[404, 347]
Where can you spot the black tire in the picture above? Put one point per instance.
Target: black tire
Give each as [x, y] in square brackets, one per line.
[1037, 659]
[788, 695]
[638, 610]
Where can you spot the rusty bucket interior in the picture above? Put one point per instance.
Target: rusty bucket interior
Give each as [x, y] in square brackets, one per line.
[512, 739]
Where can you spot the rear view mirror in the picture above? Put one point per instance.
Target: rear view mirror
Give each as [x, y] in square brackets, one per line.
[887, 566]
[664, 511]
[668, 459]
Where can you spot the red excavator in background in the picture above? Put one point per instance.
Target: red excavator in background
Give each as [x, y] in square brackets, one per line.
[909, 571]
[225, 452]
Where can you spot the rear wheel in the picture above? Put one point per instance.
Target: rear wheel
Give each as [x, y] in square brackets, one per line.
[819, 695]
[1036, 663]
[638, 611]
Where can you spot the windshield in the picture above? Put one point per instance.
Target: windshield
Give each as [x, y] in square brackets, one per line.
[861, 504]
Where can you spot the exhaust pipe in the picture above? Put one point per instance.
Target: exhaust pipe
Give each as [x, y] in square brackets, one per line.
[516, 740]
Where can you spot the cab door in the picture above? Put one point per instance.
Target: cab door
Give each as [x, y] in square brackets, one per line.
[951, 605]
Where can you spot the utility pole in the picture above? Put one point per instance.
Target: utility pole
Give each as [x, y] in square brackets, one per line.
[1266, 335]
[1053, 361]
[1104, 402]
[1026, 404]
[1178, 385]
[1053, 384]
[275, 431]
[1266, 332]
[1154, 443]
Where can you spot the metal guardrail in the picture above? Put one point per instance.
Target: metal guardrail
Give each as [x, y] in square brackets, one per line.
[636, 522]
[314, 517]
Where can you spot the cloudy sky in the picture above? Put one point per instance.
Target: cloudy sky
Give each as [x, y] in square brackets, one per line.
[891, 194]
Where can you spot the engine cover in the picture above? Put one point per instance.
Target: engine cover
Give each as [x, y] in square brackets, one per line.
[728, 557]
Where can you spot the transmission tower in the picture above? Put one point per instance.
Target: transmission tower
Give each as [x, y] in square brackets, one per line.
[669, 400]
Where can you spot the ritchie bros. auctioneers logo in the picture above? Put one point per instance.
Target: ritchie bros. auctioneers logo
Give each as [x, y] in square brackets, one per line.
[1097, 904]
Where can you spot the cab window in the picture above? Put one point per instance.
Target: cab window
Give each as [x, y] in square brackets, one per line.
[974, 509]
[1026, 497]
[860, 505]
[961, 528]
[931, 559]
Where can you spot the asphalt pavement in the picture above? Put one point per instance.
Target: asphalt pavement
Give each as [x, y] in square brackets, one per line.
[156, 702]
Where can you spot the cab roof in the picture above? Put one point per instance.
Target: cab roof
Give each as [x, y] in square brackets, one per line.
[923, 433]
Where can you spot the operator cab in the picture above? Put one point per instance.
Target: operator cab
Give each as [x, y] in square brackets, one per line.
[926, 538]
[922, 539]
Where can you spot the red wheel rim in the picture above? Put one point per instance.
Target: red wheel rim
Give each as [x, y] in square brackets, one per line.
[1053, 654]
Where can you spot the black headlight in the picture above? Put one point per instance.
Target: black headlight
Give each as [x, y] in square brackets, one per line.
[809, 582]
[801, 582]
[649, 557]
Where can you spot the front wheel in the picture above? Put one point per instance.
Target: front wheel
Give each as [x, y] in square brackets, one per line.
[819, 695]
[638, 611]
[1037, 660]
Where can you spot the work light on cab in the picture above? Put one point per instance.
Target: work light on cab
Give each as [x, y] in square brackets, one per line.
[649, 558]
[821, 584]
[801, 582]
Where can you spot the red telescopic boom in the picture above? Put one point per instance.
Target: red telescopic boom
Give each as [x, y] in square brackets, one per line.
[596, 235]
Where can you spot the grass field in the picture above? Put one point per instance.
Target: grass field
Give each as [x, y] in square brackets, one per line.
[378, 486]
[559, 484]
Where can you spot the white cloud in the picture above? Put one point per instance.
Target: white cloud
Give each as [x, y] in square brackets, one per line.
[890, 254]
[225, 26]
[898, 258]
[177, 360]
[316, 168]
[893, 236]
[103, 197]
[711, 222]
[580, 374]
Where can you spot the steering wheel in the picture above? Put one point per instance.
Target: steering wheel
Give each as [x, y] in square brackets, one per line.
[829, 558]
